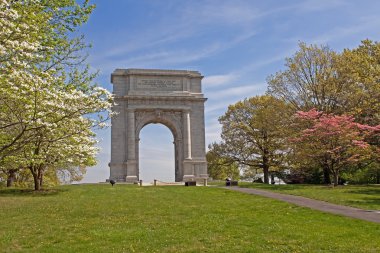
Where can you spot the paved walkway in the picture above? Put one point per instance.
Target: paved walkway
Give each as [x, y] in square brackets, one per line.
[368, 215]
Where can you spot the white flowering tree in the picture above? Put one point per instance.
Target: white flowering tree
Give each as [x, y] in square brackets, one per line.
[48, 104]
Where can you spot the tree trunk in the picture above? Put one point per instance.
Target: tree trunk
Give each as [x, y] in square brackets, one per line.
[272, 178]
[41, 176]
[377, 176]
[336, 178]
[326, 174]
[36, 182]
[11, 177]
[266, 174]
[266, 167]
[36, 179]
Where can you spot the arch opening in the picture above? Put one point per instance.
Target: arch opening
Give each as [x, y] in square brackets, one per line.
[156, 153]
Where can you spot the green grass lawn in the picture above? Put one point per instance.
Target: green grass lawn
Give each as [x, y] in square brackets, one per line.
[128, 218]
[361, 196]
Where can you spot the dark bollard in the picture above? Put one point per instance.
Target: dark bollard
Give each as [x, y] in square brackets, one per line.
[228, 181]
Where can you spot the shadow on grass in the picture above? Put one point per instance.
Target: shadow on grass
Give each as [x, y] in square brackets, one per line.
[29, 192]
[369, 190]
[283, 187]
[373, 203]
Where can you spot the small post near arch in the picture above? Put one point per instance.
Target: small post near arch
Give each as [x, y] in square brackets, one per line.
[171, 97]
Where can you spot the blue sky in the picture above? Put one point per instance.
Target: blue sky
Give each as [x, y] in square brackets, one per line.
[234, 44]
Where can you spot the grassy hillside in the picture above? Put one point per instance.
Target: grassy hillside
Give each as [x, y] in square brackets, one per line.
[128, 218]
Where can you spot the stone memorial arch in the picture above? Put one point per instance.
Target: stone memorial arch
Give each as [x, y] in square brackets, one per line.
[170, 97]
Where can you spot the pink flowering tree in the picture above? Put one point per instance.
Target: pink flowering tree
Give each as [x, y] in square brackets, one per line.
[335, 140]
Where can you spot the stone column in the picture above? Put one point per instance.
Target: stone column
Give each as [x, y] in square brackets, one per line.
[188, 170]
[131, 147]
[137, 156]
[187, 134]
[131, 139]
[118, 144]
[179, 160]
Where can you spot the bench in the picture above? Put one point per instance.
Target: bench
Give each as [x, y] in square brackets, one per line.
[231, 183]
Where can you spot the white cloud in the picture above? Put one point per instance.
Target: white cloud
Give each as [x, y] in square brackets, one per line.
[219, 106]
[160, 44]
[366, 24]
[240, 91]
[235, 75]
[220, 100]
[148, 39]
[168, 57]
[218, 80]
[213, 132]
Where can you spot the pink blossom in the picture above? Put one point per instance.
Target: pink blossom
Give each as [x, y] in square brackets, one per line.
[360, 144]
[312, 114]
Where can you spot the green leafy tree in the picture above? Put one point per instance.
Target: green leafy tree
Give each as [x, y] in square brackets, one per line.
[360, 68]
[309, 80]
[254, 132]
[220, 167]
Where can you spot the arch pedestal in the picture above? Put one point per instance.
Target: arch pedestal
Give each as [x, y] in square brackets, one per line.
[170, 97]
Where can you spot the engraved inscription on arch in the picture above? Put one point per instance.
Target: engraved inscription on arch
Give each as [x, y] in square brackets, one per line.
[158, 84]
